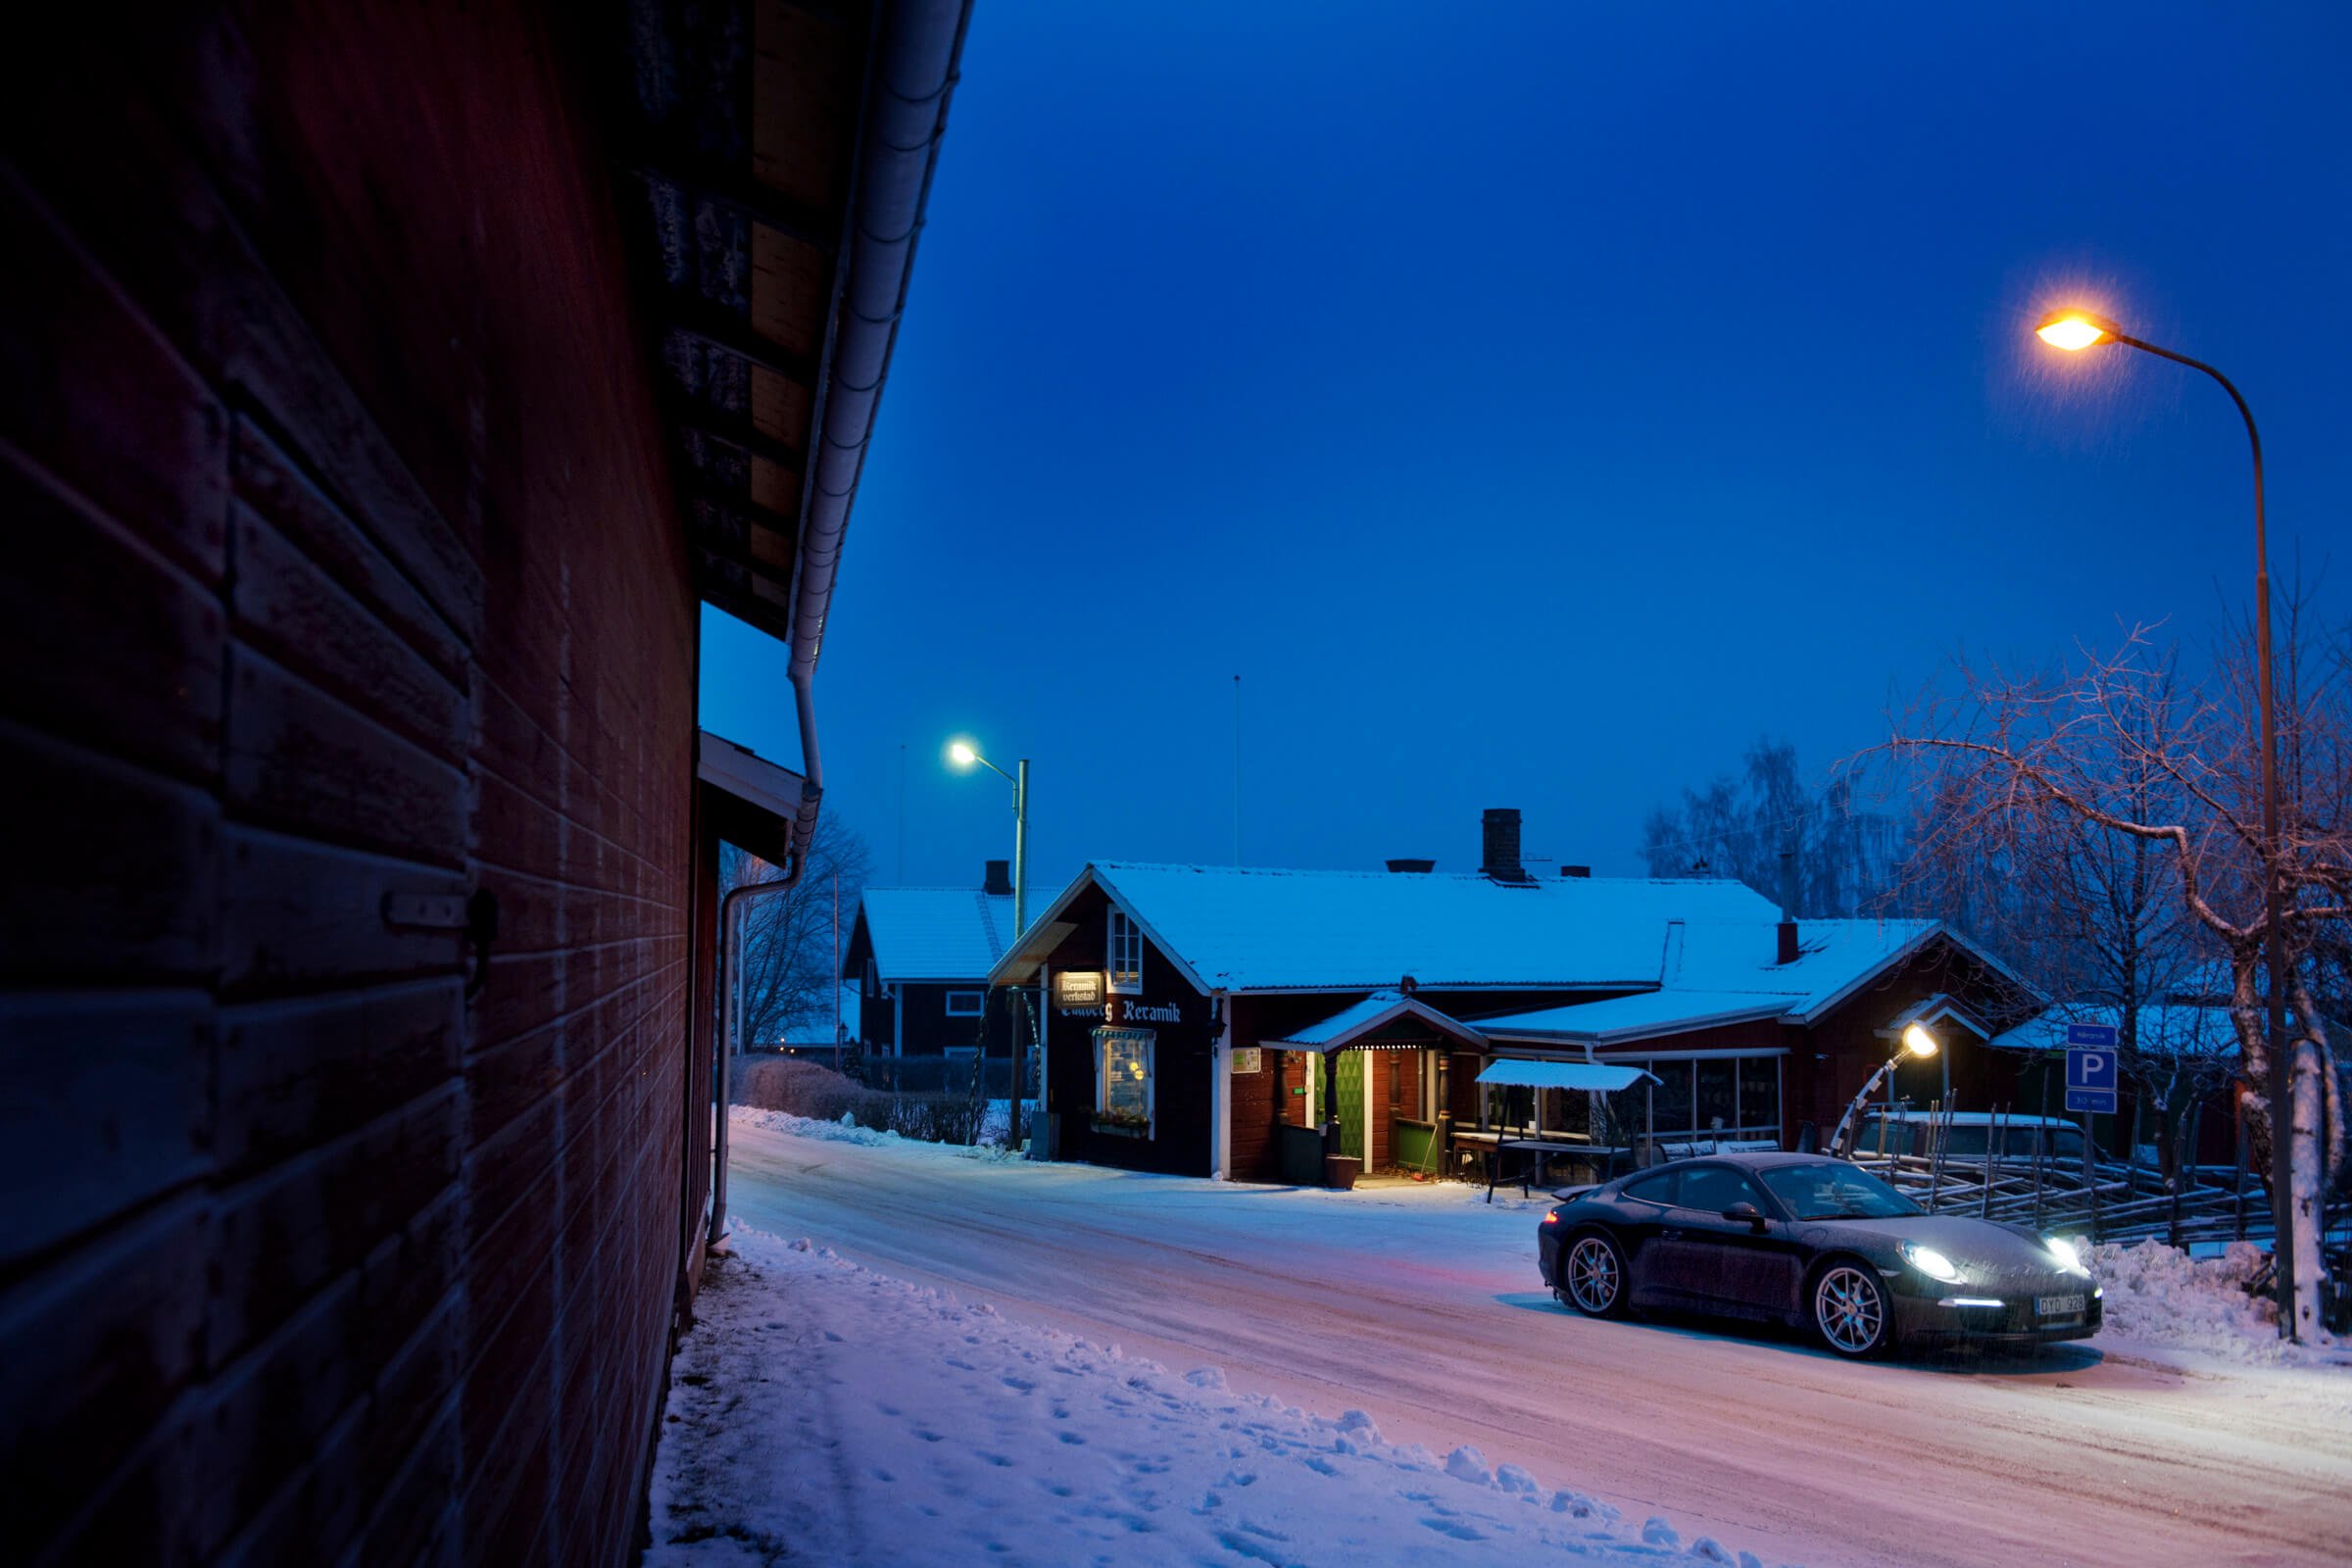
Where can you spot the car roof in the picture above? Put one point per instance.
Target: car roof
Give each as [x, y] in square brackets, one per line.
[1745, 1159]
[1965, 1118]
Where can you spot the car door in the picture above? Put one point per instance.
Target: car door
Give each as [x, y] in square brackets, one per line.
[1643, 1205]
[1708, 1261]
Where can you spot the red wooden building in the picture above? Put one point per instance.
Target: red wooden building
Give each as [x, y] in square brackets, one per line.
[1194, 1013]
[388, 387]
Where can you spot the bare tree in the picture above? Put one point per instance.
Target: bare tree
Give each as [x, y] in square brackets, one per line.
[787, 966]
[2124, 750]
[1741, 827]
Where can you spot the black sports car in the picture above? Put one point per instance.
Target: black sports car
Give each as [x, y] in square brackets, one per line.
[1813, 1243]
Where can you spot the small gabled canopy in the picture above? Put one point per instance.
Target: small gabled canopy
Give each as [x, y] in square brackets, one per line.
[1604, 1077]
[749, 800]
[1929, 1012]
[1355, 1024]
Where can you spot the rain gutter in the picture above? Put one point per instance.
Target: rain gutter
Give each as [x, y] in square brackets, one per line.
[914, 55]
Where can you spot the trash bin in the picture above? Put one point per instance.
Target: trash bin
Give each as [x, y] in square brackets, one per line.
[1341, 1170]
[1302, 1156]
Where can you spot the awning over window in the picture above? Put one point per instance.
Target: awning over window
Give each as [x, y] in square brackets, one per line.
[1600, 1076]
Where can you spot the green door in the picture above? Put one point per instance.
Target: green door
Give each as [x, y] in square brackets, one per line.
[1347, 1100]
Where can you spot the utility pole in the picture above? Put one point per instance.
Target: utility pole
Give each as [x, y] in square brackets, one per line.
[1237, 770]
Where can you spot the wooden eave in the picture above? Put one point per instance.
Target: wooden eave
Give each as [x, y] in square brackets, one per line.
[735, 126]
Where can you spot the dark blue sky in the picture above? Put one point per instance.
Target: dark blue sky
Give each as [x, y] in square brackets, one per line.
[1536, 403]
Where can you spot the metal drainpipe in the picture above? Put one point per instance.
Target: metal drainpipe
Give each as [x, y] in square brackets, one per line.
[720, 1073]
[916, 47]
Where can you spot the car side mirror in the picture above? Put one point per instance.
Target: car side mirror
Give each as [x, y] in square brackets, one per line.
[1749, 1213]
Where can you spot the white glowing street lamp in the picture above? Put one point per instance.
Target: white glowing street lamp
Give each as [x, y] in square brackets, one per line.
[963, 755]
[1916, 1042]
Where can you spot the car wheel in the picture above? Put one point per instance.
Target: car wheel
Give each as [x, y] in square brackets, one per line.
[1592, 1276]
[1849, 1311]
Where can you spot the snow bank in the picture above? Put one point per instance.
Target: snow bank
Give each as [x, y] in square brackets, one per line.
[825, 1410]
[847, 1131]
[2168, 1298]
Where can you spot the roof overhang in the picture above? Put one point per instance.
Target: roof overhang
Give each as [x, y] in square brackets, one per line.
[747, 800]
[1383, 1008]
[1568, 1033]
[1049, 930]
[1933, 930]
[1597, 1076]
[750, 136]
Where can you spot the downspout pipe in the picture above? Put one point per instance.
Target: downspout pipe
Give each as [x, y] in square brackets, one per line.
[916, 47]
[721, 1066]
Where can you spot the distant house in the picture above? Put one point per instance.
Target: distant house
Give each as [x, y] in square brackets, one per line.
[919, 959]
[1195, 1013]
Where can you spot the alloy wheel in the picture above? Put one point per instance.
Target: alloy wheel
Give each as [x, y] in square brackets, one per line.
[1594, 1277]
[1850, 1311]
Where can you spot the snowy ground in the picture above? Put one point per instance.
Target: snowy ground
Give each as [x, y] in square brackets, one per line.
[824, 1411]
[1418, 1306]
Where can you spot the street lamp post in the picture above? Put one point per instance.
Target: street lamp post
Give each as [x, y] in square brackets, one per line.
[2074, 332]
[963, 755]
[1916, 1042]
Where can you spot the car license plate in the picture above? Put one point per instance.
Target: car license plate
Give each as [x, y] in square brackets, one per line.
[2058, 1305]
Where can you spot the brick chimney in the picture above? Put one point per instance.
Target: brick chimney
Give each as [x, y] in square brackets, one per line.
[1500, 833]
[1788, 928]
[1000, 878]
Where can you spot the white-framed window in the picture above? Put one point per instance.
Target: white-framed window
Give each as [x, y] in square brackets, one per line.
[1123, 1079]
[966, 1004]
[1126, 963]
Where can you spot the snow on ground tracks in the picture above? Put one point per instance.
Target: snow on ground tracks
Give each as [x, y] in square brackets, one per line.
[823, 1411]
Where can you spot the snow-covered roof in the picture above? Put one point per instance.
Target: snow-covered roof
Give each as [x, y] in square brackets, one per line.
[1243, 929]
[1605, 1077]
[936, 933]
[1724, 972]
[1354, 1022]
[2165, 1028]
[1634, 1018]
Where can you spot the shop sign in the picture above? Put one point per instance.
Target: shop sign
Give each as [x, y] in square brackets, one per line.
[1126, 1010]
[1248, 1059]
[1078, 988]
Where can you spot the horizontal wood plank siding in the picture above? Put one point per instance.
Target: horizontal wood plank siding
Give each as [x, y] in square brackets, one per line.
[343, 565]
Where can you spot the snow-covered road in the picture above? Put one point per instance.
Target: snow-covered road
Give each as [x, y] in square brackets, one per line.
[1425, 1311]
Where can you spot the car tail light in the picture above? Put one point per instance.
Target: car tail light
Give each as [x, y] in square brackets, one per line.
[1551, 1220]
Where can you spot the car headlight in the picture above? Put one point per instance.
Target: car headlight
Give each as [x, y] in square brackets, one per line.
[2067, 1256]
[1934, 1264]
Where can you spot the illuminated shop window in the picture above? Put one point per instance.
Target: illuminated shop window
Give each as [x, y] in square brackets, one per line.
[1123, 1078]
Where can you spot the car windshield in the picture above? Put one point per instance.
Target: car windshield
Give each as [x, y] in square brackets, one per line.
[1834, 1190]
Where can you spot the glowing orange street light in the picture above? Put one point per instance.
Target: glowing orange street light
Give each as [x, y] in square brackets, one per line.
[2074, 330]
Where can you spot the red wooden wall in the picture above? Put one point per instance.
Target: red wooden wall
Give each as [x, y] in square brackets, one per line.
[341, 564]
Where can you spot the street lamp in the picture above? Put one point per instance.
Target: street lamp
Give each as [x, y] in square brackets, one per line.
[1916, 1042]
[2074, 332]
[963, 755]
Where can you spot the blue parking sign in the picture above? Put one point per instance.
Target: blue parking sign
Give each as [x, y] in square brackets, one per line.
[2091, 1071]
